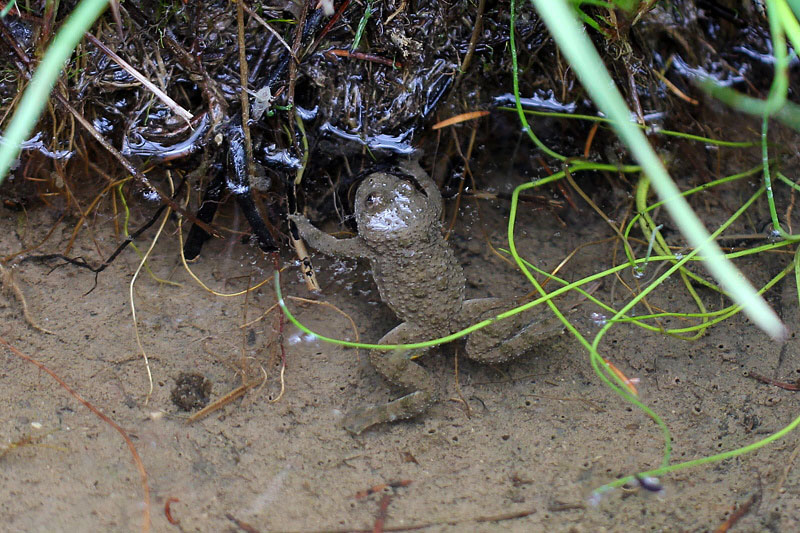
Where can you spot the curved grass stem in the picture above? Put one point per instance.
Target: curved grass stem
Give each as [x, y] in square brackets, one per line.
[142, 263]
[590, 69]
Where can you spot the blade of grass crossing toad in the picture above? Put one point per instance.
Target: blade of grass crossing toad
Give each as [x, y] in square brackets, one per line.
[588, 65]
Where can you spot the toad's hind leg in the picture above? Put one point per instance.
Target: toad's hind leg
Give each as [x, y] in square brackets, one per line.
[507, 339]
[397, 368]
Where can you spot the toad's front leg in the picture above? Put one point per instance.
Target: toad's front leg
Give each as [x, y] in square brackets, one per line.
[397, 368]
[328, 244]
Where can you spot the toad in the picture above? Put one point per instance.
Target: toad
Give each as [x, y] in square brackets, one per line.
[419, 278]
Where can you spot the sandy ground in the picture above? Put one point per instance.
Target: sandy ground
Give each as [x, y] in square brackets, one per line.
[539, 435]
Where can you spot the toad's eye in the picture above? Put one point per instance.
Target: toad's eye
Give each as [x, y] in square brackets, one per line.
[372, 200]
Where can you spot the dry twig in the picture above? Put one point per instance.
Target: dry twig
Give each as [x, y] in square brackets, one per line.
[7, 282]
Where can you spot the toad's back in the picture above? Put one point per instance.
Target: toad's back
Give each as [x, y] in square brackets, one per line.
[422, 283]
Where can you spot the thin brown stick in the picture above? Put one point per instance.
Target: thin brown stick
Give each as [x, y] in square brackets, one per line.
[513, 515]
[477, 31]
[736, 515]
[306, 267]
[243, 96]
[460, 398]
[244, 526]
[360, 495]
[328, 304]
[380, 519]
[674, 88]
[7, 281]
[338, 52]
[233, 395]
[298, 41]
[467, 172]
[114, 5]
[136, 459]
[634, 94]
[789, 209]
[243, 360]
[50, 232]
[458, 119]
[30, 440]
[589, 139]
[335, 18]
[85, 214]
[614, 227]
[774, 382]
[397, 12]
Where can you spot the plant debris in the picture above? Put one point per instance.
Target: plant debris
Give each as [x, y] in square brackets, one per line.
[191, 391]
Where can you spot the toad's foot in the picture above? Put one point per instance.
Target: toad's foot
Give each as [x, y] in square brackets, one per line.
[363, 418]
[397, 368]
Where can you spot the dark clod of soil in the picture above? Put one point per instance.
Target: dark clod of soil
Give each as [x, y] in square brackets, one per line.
[192, 391]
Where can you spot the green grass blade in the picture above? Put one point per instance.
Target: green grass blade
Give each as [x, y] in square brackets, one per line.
[7, 9]
[43, 80]
[362, 25]
[588, 65]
